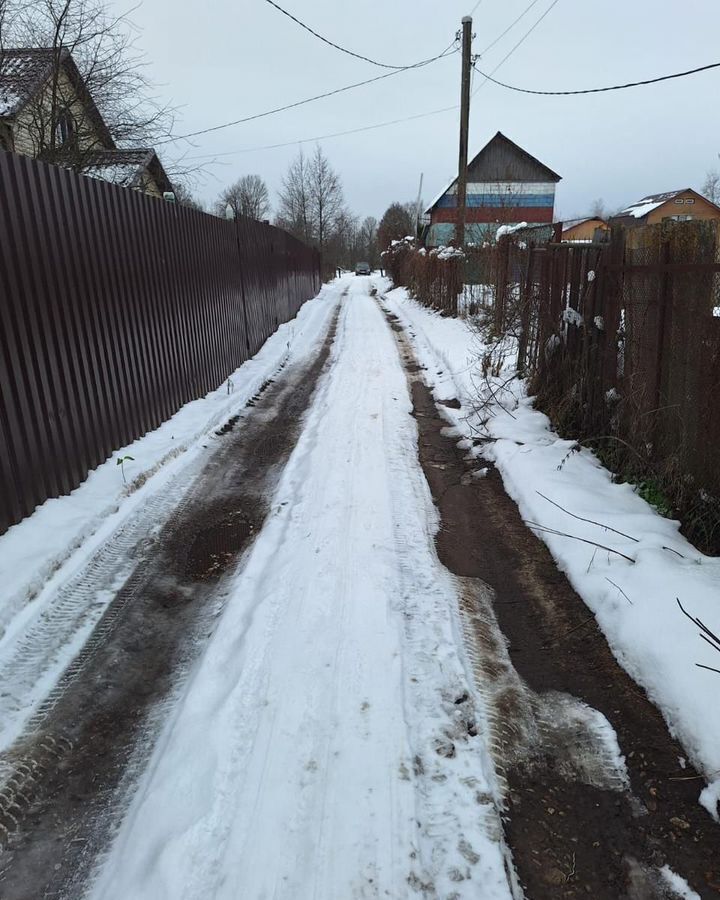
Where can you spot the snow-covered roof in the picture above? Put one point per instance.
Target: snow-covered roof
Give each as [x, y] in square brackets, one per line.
[24, 70]
[642, 208]
[9, 100]
[126, 168]
[573, 223]
[505, 230]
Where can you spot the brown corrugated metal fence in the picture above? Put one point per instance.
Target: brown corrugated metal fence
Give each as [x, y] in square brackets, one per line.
[115, 310]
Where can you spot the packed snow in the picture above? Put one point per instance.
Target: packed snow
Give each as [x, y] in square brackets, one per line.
[634, 599]
[506, 230]
[48, 606]
[321, 747]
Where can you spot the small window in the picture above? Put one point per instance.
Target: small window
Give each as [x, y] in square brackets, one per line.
[690, 200]
[65, 129]
[679, 200]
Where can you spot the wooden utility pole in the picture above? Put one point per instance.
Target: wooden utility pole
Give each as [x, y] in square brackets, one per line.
[464, 126]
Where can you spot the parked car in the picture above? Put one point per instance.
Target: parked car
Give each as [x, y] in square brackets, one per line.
[363, 268]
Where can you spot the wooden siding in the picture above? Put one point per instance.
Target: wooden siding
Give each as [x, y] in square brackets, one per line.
[700, 210]
[584, 231]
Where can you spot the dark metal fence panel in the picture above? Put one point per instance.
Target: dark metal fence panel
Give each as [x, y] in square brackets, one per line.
[115, 310]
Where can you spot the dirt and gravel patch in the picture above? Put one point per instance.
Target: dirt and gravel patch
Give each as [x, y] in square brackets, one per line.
[578, 821]
[65, 783]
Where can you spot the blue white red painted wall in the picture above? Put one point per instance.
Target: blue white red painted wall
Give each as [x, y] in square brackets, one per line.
[506, 186]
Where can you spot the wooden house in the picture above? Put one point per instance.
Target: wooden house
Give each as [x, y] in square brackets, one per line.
[505, 186]
[583, 229]
[676, 206]
[48, 112]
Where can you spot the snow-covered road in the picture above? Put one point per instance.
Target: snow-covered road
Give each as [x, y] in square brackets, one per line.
[330, 743]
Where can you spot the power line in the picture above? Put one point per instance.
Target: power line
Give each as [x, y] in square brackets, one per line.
[510, 27]
[434, 112]
[521, 41]
[324, 137]
[297, 103]
[614, 87]
[328, 41]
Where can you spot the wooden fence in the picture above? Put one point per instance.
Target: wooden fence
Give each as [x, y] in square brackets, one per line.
[115, 310]
[622, 345]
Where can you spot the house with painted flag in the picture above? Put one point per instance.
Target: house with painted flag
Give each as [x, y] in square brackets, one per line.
[506, 185]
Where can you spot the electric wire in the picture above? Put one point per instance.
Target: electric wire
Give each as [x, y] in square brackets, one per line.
[509, 28]
[324, 137]
[519, 43]
[486, 76]
[298, 103]
[359, 130]
[600, 90]
[328, 41]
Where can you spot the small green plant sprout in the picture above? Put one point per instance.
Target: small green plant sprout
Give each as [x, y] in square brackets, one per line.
[121, 460]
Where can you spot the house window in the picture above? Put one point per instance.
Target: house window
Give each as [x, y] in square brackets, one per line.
[679, 200]
[65, 129]
[690, 200]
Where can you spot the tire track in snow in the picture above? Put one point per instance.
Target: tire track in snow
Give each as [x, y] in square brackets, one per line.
[577, 822]
[330, 744]
[83, 741]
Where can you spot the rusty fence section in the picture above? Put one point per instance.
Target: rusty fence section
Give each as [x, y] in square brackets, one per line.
[115, 310]
[622, 345]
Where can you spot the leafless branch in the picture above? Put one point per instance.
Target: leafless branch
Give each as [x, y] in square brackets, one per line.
[589, 521]
[705, 633]
[544, 528]
[617, 586]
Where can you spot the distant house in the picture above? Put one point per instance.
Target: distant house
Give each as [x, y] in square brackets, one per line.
[47, 112]
[676, 206]
[583, 229]
[505, 186]
[138, 169]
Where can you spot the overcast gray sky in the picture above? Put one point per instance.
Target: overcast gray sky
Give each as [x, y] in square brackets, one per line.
[223, 60]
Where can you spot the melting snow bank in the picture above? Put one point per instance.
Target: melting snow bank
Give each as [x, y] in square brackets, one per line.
[63, 532]
[678, 885]
[330, 743]
[635, 603]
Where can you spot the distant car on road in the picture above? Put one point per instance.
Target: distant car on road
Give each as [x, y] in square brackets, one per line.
[363, 268]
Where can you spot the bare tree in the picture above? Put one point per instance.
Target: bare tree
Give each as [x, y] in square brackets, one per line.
[598, 210]
[396, 223]
[62, 125]
[367, 241]
[294, 211]
[248, 197]
[184, 197]
[326, 197]
[711, 186]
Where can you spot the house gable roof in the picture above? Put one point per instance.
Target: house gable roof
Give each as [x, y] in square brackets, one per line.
[500, 142]
[126, 168]
[642, 208]
[24, 71]
[573, 223]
